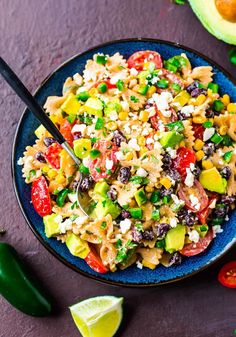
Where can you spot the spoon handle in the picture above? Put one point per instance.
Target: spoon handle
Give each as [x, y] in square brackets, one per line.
[19, 88]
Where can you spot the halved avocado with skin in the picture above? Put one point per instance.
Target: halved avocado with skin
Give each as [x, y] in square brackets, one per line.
[214, 18]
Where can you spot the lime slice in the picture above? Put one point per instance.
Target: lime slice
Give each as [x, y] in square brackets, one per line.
[98, 316]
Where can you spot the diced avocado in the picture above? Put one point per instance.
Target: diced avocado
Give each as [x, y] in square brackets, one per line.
[77, 246]
[82, 147]
[105, 206]
[182, 98]
[101, 188]
[40, 131]
[140, 197]
[94, 106]
[222, 24]
[112, 107]
[212, 180]
[174, 239]
[51, 224]
[171, 139]
[71, 105]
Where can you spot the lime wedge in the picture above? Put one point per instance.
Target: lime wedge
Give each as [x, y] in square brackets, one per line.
[98, 316]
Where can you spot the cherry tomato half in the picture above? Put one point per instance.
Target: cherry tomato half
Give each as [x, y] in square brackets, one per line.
[65, 130]
[203, 215]
[138, 59]
[197, 248]
[52, 155]
[94, 262]
[185, 157]
[98, 167]
[227, 275]
[40, 197]
[198, 191]
[198, 130]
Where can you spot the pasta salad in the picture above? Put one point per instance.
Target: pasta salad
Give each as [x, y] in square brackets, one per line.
[157, 143]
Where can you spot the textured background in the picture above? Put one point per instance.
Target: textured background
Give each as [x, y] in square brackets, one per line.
[35, 37]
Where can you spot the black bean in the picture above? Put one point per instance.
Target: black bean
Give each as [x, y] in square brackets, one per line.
[164, 192]
[187, 217]
[40, 157]
[118, 137]
[166, 161]
[209, 149]
[161, 230]
[86, 184]
[198, 91]
[136, 235]
[174, 175]
[148, 235]
[175, 259]
[192, 87]
[125, 214]
[196, 171]
[226, 172]
[209, 113]
[49, 141]
[124, 174]
[228, 200]
[112, 193]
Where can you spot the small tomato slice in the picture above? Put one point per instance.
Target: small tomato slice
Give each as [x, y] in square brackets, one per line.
[40, 196]
[227, 275]
[107, 82]
[197, 248]
[203, 215]
[172, 77]
[94, 262]
[138, 59]
[198, 130]
[65, 130]
[185, 157]
[198, 191]
[98, 167]
[52, 155]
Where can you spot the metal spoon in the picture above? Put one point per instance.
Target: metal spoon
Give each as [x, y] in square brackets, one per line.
[19, 88]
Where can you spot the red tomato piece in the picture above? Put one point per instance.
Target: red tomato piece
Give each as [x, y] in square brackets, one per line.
[227, 275]
[98, 167]
[197, 248]
[138, 59]
[40, 196]
[107, 82]
[52, 155]
[154, 121]
[65, 130]
[172, 77]
[198, 130]
[198, 191]
[203, 215]
[185, 157]
[94, 262]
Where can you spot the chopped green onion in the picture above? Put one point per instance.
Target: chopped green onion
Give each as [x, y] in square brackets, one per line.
[85, 119]
[94, 153]
[134, 99]
[120, 85]
[177, 126]
[139, 227]
[102, 88]
[83, 96]
[214, 87]
[227, 156]
[166, 199]
[163, 83]
[62, 196]
[71, 118]
[121, 255]
[83, 169]
[136, 213]
[217, 221]
[99, 123]
[101, 59]
[216, 138]
[207, 124]
[176, 87]
[98, 169]
[118, 243]
[155, 197]
[143, 89]
[156, 215]
[103, 225]
[201, 86]
[218, 105]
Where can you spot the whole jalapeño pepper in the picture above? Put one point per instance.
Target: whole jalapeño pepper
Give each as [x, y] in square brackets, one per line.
[18, 287]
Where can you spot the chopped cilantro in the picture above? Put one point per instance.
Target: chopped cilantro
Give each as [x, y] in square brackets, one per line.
[134, 99]
[103, 225]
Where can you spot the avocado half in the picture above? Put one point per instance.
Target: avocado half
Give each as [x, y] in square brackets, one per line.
[211, 19]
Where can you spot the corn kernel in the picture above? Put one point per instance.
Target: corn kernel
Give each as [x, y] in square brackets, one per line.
[143, 150]
[192, 101]
[60, 179]
[209, 92]
[93, 91]
[132, 203]
[223, 130]
[141, 141]
[166, 182]
[45, 169]
[151, 91]
[200, 99]
[149, 188]
[225, 99]
[207, 164]
[144, 116]
[111, 126]
[182, 143]
[52, 173]
[199, 155]
[129, 156]
[231, 107]
[198, 145]
[148, 264]
[123, 115]
[199, 119]
[211, 120]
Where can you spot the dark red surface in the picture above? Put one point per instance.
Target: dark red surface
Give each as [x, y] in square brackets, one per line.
[35, 37]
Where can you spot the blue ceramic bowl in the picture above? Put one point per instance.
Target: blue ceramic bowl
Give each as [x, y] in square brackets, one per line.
[25, 136]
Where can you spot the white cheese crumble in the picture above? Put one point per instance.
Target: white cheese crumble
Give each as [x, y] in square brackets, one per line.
[152, 111]
[194, 236]
[109, 164]
[125, 105]
[141, 172]
[79, 128]
[119, 155]
[125, 225]
[81, 220]
[212, 204]
[127, 129]
[162, 102]
[157, 146]
[133, 72]
[86, 161]
[58, 219]
[72, 197]
[139, 265]
[216, 230]
[173, 222]
[78, 79]
[20, 161]
[134, 144]
[120, 76]
[171, 152]
[65, 226]
[194, 201]
[187, 110]
[113, 116]
[189, 180]
[208, 133]
[149, 140]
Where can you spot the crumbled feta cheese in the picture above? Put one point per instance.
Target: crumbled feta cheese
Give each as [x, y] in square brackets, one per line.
[194, 236]
[20, 161]
[221, 162]
[81, 220]
[149, 140]
[86, 161]
[79, 128]
[119, 155]
[173, 222]
[212, 204]
[133, 72]
[65, 226]
[141, 172]
[208, 133]
[227, 218]
[157, 146]
[125, 225]
[81, 89]
[161, 127]
[113, 116]
[194, 201]
[133, 144]
[139, 265]
[120, 76]
[216, 230]
[125, 105]
[78, 79]
[171, 152]
[189, 180]
[58, 219]
[145, 132]
[152, 111]
[192, 166]
[154, 80]
[187, 110]
[72, 197]
[109, 164]
[162, 101]
[127, 129]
